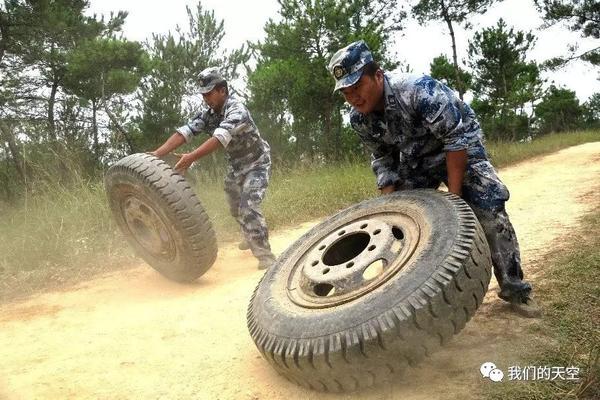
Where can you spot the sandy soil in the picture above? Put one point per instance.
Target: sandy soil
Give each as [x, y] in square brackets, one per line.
[136, 335]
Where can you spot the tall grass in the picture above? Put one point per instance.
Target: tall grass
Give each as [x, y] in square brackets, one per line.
[294, 196]
[59, 234]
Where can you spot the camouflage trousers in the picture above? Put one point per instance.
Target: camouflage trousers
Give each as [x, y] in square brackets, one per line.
[486, 195]
[244, 195]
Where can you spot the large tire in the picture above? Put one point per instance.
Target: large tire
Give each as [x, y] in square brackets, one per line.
[161, 217]
[323, 321]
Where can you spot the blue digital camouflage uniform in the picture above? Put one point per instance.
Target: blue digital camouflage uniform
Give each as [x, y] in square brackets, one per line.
[422, 120]
[249, 165]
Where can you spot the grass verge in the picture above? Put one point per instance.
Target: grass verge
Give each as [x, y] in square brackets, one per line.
[570, 291]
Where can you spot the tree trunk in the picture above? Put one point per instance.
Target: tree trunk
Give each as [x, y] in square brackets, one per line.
[51, 103]
[338, 130]
[327, 133]
[95, 131]
[120, 128]
[3, 33]
[459, 83]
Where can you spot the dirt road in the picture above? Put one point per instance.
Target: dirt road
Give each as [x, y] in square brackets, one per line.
[136, 335]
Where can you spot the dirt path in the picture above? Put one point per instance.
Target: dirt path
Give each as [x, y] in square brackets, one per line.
[136, 335]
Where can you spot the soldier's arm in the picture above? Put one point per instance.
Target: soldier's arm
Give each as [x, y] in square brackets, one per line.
[186, 160]
[382, 164]
[456, 164]
[382, 160]
[182, 134]
[439, 110]
[171, 144]
[234, 122]
[194, 127]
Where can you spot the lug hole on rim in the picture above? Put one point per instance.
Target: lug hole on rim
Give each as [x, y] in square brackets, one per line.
[314, 263]
[374, 270]
[397, 232]
[350, 265]
[326, 270]
[363, 226]
[324, 289]
[372, 247]
[377, 232]
[340, 233]
[144, 209]
[322, 247]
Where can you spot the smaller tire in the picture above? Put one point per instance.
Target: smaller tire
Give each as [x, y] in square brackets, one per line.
[161, 217]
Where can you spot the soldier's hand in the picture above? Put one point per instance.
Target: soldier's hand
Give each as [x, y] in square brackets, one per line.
[185, 161]
[387, 189]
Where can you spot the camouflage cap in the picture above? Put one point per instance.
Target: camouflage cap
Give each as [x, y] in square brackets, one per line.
[209, 78]
[347, 63]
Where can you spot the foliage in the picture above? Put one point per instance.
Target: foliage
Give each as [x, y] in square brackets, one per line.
[291, 90]
[579, 15]
[591, 111]
[101, 68]
[442, 70]
[558, 111]
[166, 95]
[451, 12]
[39, 119]
[504, 82]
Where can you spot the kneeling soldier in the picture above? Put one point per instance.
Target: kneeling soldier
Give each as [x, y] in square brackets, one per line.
[420, 135]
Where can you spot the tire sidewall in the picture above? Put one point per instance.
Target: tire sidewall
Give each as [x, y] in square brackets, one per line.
[436, 217]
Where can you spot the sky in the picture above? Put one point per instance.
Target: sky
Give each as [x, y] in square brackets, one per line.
[416, 45]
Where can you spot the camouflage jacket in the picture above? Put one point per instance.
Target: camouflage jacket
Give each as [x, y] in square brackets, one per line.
[244, 148]
[422, 120]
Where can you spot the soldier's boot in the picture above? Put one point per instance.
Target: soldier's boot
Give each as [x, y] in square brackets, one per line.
[244, 245]
[519, 296]
[266, 261]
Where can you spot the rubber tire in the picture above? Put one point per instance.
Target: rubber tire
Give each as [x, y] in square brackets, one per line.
[175, 203]
[374, 337]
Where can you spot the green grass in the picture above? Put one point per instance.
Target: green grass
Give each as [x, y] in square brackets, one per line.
[294, 196]
[58, 235]
[570, 291]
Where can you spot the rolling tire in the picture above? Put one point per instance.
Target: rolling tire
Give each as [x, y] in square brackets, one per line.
[323, 321]
[161, 217]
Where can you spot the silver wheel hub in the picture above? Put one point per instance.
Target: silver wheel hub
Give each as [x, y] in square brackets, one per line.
[352, 260]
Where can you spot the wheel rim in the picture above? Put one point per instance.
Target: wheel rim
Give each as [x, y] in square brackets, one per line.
[353, 259]
[147, 227]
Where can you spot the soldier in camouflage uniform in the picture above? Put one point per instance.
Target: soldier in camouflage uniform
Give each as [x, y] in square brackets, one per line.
[420, 135]
[248, 155]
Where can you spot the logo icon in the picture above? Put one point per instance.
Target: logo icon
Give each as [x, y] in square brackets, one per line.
[489, 370]
[338, 71]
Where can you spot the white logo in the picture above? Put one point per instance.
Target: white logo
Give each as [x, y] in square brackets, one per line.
[489, 370]
[496, 375]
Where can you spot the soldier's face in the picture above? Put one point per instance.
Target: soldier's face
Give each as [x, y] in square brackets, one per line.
[215, 99]
[366, 95]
